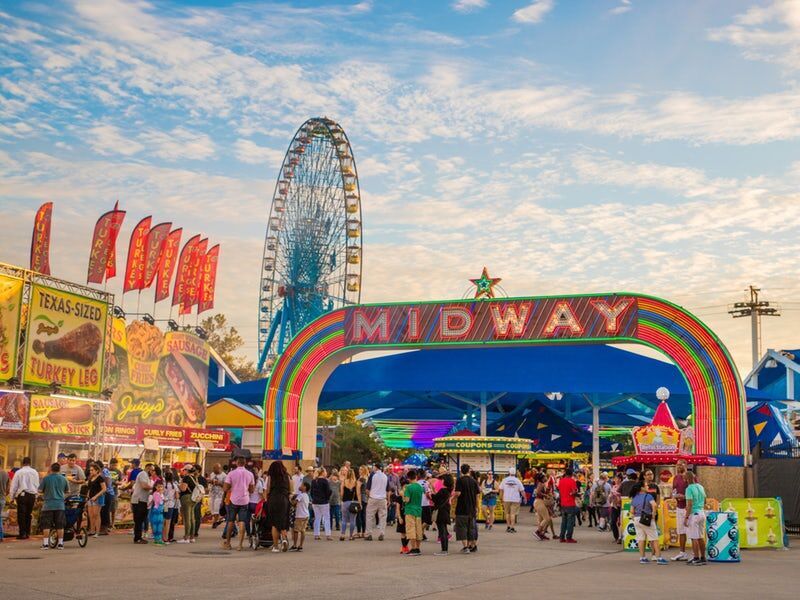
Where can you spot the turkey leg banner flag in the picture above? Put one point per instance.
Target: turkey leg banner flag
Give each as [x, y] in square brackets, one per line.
[104, 241]
[156, 240]
[184, 268]
[137, 250]
[40, 241]
[193, 283]
[166, 267]
[208, 280]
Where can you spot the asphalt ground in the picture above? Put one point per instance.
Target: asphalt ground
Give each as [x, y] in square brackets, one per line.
[506, 567]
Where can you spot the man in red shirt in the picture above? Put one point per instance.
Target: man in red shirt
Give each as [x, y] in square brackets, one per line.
[567, 490]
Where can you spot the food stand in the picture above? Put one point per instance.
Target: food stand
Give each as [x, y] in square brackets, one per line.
[482, 454]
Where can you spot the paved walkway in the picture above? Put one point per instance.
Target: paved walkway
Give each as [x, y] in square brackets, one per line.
[506, 566]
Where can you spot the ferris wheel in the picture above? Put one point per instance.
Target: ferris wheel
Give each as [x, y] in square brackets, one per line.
[313, 248]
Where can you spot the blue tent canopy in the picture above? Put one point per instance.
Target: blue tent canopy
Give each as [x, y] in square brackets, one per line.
[769, 428]
[454, 383]
[549, 432]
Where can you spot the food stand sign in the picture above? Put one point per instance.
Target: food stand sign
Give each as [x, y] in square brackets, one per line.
[10, 310]
[13, 411]
[158, 378]
[60, 416]
[64, 344]
[482, 445]
[652, 439]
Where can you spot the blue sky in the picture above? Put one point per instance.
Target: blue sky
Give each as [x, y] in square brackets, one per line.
[568, 146]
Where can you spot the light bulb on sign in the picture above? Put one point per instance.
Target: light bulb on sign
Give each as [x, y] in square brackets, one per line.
[662, 393]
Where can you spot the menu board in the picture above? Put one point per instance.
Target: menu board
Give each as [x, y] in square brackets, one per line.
[60, 416]
[13, 411]
[10, 310]
[158, 378]
[64, 344]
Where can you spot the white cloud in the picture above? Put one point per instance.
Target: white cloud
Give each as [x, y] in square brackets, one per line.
[770, 33]
[533, 13]
[177, 144]
[251, 153]
[466, 6]
[623, 7]
[109, 140]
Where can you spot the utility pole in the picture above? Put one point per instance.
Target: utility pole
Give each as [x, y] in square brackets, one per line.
[754, 309]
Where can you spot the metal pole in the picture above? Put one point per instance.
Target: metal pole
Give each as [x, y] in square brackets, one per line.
[595, 441]
[483, 413]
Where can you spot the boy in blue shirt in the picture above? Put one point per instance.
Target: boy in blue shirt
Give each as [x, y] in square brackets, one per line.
[53, 516]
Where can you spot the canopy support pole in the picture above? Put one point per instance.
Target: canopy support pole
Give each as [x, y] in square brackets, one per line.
[595, 441]
[483, 413]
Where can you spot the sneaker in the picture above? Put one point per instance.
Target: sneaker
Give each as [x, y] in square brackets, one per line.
[465, 551]
[562, 541]
[60, 546]
[508, 529]
[142, 541]
[316, 537]
[442, 553]
[644, 560]
[692, 561]
[473, 549]
[414, 552]
[405, 550]
[293, 549]
[662, 561]
[368, 538]
[285, 545]
[380, 538]
[571, 541]
[545, 538]
[45, 546]
[192, 541]
[538, 536]
[183, 541]
[275, 549]
[681, 556]
[702, 562]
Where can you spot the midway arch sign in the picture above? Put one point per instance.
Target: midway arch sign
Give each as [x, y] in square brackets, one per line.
[718, 398]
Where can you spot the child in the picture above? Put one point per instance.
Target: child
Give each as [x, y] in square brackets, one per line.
[336, 500]
[412, 498]
[300, 502]
[401, 517]
[156, 505]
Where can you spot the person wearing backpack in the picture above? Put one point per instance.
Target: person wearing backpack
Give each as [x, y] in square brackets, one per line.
[190, 491]
[600, 499]
[643, 511]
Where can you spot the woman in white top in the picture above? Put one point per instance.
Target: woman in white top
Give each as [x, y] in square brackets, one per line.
[170, 506]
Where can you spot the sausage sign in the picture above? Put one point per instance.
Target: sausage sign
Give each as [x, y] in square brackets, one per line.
[64, 344]
[60, 416]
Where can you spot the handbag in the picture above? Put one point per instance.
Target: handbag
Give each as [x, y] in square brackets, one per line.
[646, 518]
[355, 508]
[198, 492]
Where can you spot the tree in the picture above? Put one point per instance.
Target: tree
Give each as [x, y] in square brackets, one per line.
[226, 341]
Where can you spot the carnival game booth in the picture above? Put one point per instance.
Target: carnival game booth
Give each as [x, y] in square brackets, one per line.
[483, 454]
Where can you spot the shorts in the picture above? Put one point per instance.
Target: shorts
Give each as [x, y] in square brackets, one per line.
[697, 526]
[300, 523]
[214, 503]
[645, 532]
[490, 500]
[680, 516]
[99, 502]
[511, 509]
[427, 515]
[413, 527]
[464, 528]
[237, 512]
[53, 519]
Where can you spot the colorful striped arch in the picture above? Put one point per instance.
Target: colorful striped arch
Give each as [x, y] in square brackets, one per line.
[719, 404]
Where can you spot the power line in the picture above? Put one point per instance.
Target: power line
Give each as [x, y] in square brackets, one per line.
[754, 309]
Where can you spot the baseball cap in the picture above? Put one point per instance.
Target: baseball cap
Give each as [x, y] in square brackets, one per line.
[62, 455]
[630, 472]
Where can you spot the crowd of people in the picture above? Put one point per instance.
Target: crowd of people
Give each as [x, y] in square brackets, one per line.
[278, 508]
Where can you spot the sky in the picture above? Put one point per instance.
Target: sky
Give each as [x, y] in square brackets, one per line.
[569, 146]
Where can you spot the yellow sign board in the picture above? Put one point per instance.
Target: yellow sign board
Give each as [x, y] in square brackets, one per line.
[10, 310]
[760, 521]
[65, 341]
[60, 416]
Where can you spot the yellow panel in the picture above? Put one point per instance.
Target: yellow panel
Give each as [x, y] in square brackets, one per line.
[225, 414]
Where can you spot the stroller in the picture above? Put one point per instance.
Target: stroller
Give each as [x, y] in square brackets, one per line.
[260, 528]
[74, 529]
